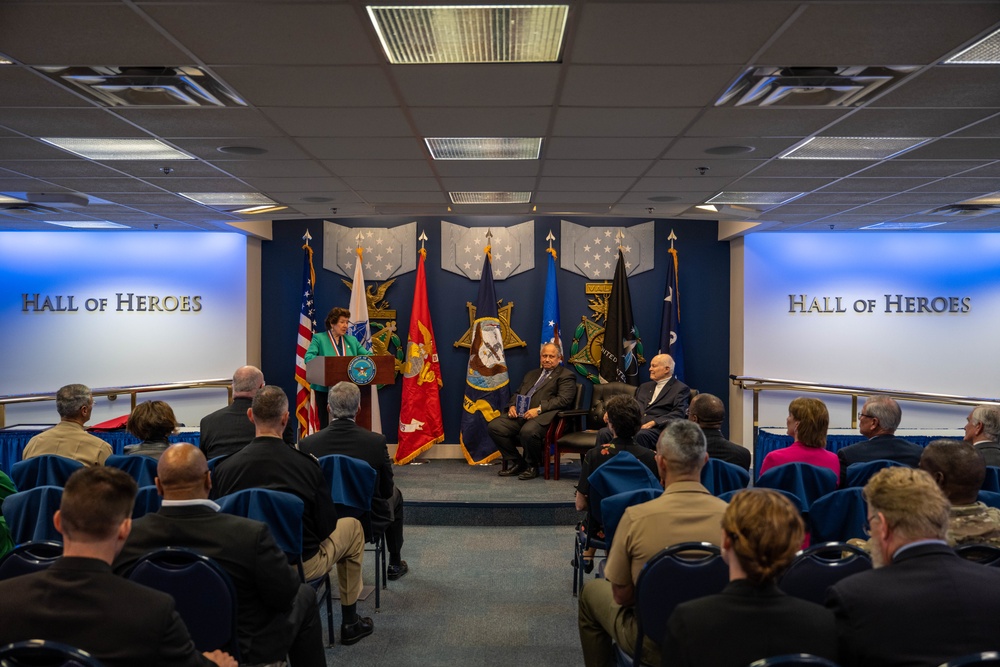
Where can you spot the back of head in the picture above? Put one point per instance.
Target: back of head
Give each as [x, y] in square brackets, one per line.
[624, 415]
[344, 400]
[269, 405]
[247, 380]
[911, 502]
[708, 410]
[181, 472]
[151, 420]
[682, 447]
[886, 410]
[989, 417]
[813, 418]
[72, 398]
[765, 530]
[94, 503]
[957, 467]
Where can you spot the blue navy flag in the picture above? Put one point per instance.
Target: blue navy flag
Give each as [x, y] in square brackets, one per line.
[670, 328]
[619, 358]
[550, 306]
[487, 382]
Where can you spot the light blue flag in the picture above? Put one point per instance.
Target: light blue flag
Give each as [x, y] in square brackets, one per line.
[551, 332]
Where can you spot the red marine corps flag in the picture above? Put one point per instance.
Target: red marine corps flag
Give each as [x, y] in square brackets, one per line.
[305, 404]
[420, 423]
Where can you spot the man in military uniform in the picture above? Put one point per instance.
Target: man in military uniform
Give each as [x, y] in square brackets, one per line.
[959, 469]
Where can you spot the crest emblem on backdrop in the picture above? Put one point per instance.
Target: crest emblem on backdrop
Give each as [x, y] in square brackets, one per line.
[592, 251]
[512, 249]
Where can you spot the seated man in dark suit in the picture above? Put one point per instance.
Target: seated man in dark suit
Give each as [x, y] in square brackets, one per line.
[959, 469]
[922, 604]
[878, 420]
[663, 399]
[708, 412]
[229, 429]
[550, 389]
[327, 540]
[344, 436]
[982, 429]
[78, 600]
[277, 614]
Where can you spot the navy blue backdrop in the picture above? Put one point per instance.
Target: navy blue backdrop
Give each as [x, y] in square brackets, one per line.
[704, 286]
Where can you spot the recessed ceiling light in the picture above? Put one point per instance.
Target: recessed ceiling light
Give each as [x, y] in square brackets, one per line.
[229, 198]
[729, 150]
[984, 52]
[260, 209]
[484, 148]
[470, 34]
[4, 199]
[117, 149]
[86, 224]
[852, 148]
[902, 225]
[242, 150]
[490, 197]
[771, 198]
[708, 207]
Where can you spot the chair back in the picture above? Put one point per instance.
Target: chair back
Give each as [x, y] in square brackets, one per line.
[613, 508]
[46, 470]
[352, 487]
[147, 501]
[992, 481]
[991, 658]
[984, 554]
[599, 400]
[677, 574]
[41, 653]
[280, 510]
[721, 477]
[202, 591]
[29, 557]
[989, 498]
[29, 514]
[838, 516]
[140, 468]
[792, 498]
[859, 473]
[806, 482]
[794, 660]
[622, 473]
[821, 566]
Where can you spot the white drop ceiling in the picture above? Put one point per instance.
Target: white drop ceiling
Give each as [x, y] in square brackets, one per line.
[626, 115]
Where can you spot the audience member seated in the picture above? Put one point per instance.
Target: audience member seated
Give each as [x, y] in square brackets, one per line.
[269, 462]
[277, 615]
[79, 601]
[663, 399]
[686, 512]
[343, 436]
[708, 412]
[229, 429]
[959, 469]
[922, 605]
[808, 420]
[68, 438]
[751, 618]
[878, 420]
[982, 430]
[6, 488]
[152, 422]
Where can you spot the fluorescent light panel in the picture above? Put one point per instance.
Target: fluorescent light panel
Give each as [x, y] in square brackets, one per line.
[251, 210]
[4, 199]
[490, 197]
[902, 225]
[852, 148]
[87, 224]
[984, 52]
[471, 33]
[766, 198]
[484, 148]
[229, 198]
[117, 149]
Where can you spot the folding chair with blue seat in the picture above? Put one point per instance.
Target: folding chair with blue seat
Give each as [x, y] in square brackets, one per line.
[838, 516]
[47, 470]
[821, 566]
[985, 659]
[147, 501]
[29, 514]
[992, 481]
[804, 481]
[41, 653]
[613, 508]
[858, 474]
[203, 594]
[140, 468]
[721, 477]
[794, 660]
[989, 498]
[30, 557]
[792, 498]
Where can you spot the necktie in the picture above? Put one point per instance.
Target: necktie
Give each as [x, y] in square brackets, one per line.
[538, 383]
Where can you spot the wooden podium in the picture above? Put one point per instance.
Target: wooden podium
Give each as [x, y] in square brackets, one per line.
[328, 371]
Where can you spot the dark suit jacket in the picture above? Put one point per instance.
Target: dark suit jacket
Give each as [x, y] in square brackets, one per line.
[558, 392]
[745, 623]
[228, 430]
[78, 601]
[990, 452]
[269, 463]
[265, 583]
[671, 404]
[880, 447]
[722, 449]
[927, 607]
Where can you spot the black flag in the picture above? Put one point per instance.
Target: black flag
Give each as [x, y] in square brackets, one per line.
[619, 358]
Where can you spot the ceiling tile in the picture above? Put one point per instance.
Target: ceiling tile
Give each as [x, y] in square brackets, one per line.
[481, 121]
[404, 168]
[645, 86]
[591, 168]
[486, 167]
[201, 122]
[523, 85]
[388, 183]
[360, 149]
[948, 86]
[764, 122]
[265, 168]
[71, 123]
[577, 183]
[274, 86]
[616, 122]
[340, 122]
[565, 148]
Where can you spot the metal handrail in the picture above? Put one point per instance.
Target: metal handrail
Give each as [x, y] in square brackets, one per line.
[113, 392]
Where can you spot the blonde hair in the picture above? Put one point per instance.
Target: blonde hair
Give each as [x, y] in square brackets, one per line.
[813, 418]
[765, 530]
[910, 501]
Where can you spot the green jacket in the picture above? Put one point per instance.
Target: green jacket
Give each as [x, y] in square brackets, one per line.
[322, 347]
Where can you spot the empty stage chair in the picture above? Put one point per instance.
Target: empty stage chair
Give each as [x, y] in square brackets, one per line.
[985, 554]
[859, 473]
[838, 516]
[578, 428]
[47, 470]
[821, 566]
[30, 557]
[29, 514]
[555, 431]
[804, 481]
[794, 660]
[721, 477]
[140, 468]
[41, 653]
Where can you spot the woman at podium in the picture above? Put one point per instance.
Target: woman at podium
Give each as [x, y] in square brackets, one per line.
[334, 342]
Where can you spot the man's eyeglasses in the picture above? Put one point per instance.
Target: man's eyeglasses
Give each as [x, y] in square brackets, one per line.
[868, 524]
[861, 414]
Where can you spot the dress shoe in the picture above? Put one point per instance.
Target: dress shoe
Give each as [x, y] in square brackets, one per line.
[588, 564]
[394, 572]
[356, 631]
[513, 470]
[530, 473]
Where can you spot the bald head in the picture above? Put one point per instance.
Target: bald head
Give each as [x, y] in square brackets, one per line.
[957, 467]
[661, 367]
[246, 381]
[707, 411]
[182, 473]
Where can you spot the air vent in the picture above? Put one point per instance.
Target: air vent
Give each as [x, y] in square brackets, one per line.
[24, 208]
[809, 86]
[147, 86]
[964, 210]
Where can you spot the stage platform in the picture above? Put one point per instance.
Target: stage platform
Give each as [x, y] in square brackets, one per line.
[450, 492]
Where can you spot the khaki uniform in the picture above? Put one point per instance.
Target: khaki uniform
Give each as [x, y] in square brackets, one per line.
[70, 440]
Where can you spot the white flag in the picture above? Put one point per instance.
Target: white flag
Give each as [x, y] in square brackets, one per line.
[359, 329]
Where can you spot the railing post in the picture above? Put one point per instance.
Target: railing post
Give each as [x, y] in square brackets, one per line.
[3, 415]
[854, 411]
[756, 416]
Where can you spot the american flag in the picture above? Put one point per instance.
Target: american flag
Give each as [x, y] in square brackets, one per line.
[305, 406]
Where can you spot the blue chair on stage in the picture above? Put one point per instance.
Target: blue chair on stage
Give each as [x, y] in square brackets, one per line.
[140, 468]
[30, 557]
[29, 514]
[992, 481]
[47, 470]
[613, 508]
[821, 566]
[721, 477]
[989, 498]
[41, 653]
[858, 474]
[147, 501]
[838, 516]
[804, 481]
[794, 660]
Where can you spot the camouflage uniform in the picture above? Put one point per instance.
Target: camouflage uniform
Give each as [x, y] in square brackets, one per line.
[974, 524]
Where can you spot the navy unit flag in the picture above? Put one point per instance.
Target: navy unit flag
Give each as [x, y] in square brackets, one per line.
[619, 358]
[670, 328]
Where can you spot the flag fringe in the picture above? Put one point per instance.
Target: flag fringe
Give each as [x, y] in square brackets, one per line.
[421, 450]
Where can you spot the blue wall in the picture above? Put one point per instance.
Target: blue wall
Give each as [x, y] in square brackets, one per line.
[704, 286]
